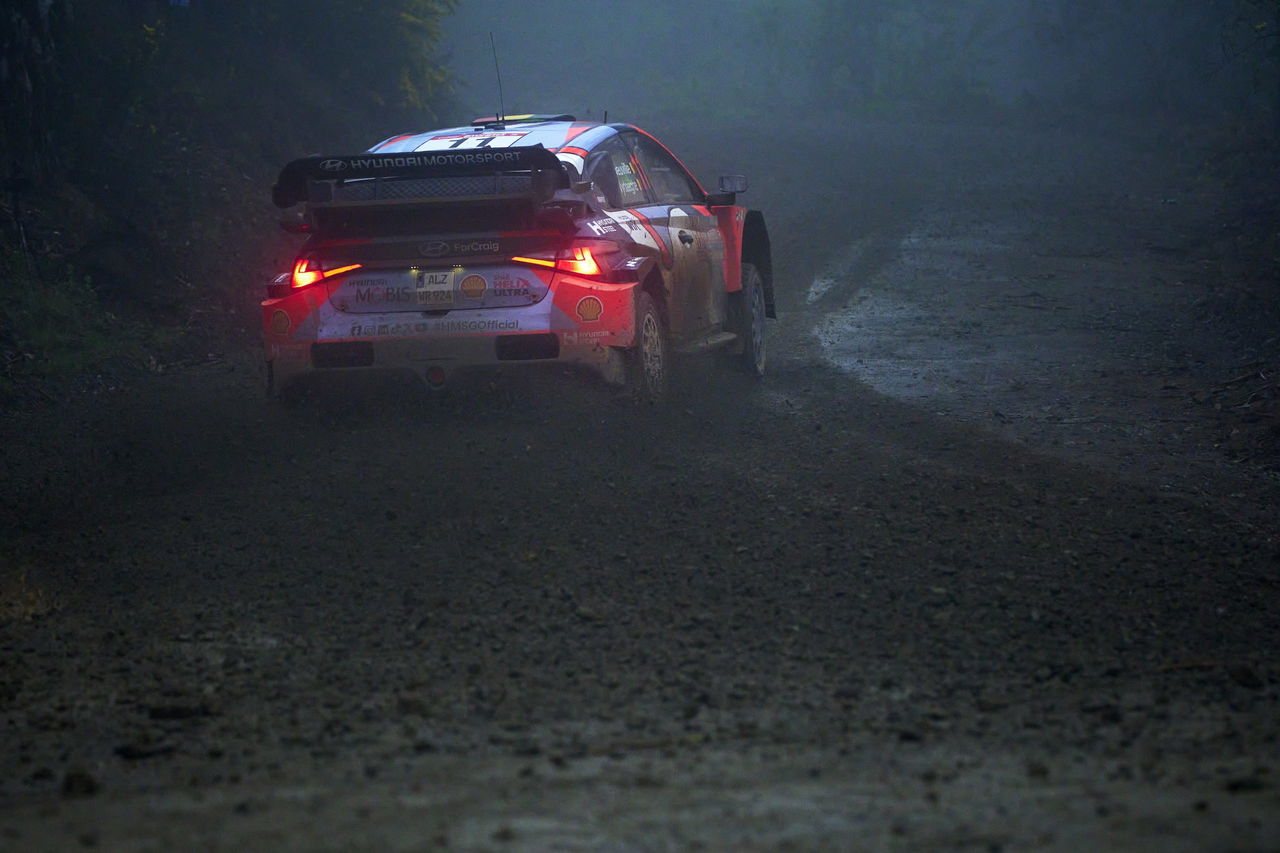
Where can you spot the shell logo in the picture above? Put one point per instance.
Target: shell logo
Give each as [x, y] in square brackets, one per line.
[589, 309]
[280, 323]
[473, 286]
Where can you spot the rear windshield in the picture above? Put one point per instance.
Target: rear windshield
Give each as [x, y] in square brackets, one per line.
[408, 220]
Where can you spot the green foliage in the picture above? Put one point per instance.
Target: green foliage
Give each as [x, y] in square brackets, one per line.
[55, 325]
[29, 82]
[166, 125]
[123, 65]
[1254, 40]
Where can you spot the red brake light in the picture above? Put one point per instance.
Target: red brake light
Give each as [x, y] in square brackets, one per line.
[579, 262]
[303, 276]
[579, 259]
[541, 262]
[307, 272]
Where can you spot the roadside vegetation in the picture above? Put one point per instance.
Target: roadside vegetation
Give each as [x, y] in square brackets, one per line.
[55, 326]
[137, 143]
[21, 599]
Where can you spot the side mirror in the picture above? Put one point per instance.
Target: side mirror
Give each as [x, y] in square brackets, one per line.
[730, 186]
[733, 183]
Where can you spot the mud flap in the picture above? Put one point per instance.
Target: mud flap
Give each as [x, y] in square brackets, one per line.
[614, 369]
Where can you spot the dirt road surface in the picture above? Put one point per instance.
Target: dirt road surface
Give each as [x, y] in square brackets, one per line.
[970, 570]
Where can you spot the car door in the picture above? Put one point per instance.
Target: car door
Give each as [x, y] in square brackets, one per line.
[680, 214]
[621, 189]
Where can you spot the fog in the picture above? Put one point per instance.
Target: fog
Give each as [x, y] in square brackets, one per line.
[972, 546]
[1186, 60]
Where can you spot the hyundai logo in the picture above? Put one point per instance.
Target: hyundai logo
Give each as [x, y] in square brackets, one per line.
[333, 165]
[434, 249]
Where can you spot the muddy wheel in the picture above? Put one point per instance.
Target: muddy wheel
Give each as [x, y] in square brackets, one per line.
[648, 361]
[753, 355]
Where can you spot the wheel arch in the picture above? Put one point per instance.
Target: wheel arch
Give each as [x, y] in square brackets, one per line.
[656, 286]
[757, 251]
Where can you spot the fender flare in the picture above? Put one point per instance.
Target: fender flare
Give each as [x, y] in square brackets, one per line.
[746, 239]
[757, 252]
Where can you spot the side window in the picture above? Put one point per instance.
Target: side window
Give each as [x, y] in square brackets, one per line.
[615, 175]
[671, 183]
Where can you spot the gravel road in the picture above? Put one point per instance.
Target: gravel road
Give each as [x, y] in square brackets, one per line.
[965, 572]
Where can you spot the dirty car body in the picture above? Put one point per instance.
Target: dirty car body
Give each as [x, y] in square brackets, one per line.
[531, 240]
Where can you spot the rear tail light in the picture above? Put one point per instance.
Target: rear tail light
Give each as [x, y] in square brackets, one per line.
[580, 258]
[308, 271]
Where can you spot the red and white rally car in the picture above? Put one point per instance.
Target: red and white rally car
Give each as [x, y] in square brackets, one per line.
[534, 239]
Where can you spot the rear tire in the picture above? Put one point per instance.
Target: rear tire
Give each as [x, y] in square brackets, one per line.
[648, 362]
[754, 353]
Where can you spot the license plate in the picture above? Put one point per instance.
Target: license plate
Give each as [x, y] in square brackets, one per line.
[434, 288]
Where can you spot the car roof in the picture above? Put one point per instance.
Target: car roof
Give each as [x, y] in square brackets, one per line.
[562, 135]
[551, 132]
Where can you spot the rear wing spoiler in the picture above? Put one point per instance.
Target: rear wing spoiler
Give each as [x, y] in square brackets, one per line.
[294, 184]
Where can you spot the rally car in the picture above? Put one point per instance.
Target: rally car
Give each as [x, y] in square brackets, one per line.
[517, 239]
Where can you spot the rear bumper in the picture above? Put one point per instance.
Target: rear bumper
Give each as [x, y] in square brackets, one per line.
[579, 322]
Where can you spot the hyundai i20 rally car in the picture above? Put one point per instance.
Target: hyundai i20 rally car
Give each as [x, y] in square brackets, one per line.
[531, 239]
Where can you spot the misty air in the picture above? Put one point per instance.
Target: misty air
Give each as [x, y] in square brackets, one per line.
[754, 425]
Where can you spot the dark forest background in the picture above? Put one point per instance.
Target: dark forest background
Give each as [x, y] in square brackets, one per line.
[138, 142]
[138, 138]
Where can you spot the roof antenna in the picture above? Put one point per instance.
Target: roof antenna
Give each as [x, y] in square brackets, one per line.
[502, 110]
